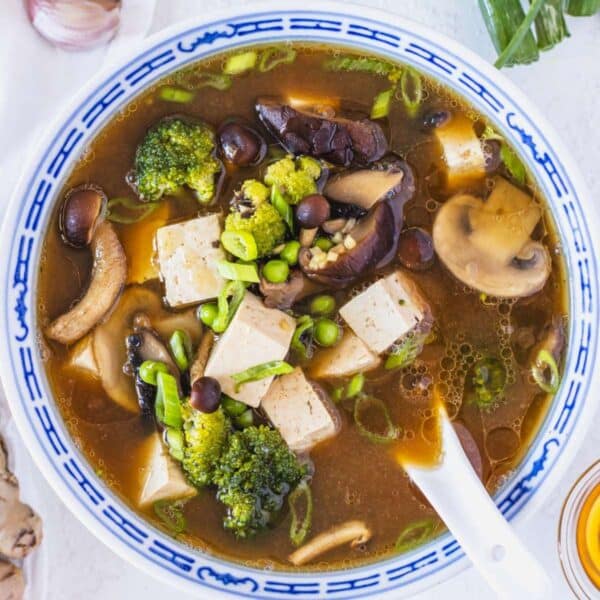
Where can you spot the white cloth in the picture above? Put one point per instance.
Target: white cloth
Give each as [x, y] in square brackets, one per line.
[36, 78]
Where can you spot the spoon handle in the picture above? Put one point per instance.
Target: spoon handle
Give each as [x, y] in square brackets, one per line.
[462, 502]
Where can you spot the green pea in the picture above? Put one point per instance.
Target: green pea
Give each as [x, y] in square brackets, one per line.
[149, 369]
[322, 305]
[245, 419]
[324, 243]
[327, 332]
[234, 408]
[208, 312]
[290, 252]
[276, 271]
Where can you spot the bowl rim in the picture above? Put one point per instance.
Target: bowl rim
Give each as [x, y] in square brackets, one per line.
[580, 223]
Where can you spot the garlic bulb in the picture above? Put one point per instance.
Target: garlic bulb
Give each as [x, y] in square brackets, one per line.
[75, 24]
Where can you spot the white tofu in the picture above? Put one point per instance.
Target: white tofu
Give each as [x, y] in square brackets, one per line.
[188, 254]
[81, 357]
[163, 477]
[385, 311]
[349, 357]
[302, 416]
[256, 335]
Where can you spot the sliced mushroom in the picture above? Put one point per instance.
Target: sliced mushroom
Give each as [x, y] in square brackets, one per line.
[390, 180]
[81, 213]
[353, 532]
[107, 280]
[144, 345]
[372, 241]
[202, 354]
[285, 295]
[490, 249]
[340, 141]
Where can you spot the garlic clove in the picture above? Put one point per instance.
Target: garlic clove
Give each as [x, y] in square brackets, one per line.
[75, 24]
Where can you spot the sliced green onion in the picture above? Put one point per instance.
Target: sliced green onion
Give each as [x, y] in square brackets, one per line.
[415, 534]
[192, 79]
[381, 104]
[240, 243]
[140, 210]
[303, 336]
[337, 395]
[359, 63]
[174, 441]
[545, 372]
[411, 90]
[240, 63]
[149, 369]
[181, 348]
[509, 157]
[238, 271]
[232, 407]
[167, 405]
[550, 25]
[171, 514]
[258, 372]
[174, 94]
[299, 529]
[405, 352]
[275, 56]
[364, 404]
[582, 8]
[355, 385]
[283, 208]
[226, 307]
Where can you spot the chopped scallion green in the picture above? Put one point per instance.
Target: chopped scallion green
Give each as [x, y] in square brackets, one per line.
[240, 243]
[582, 8]
[238, 271]
[415, 534]
[365, 405]
[355, 385]
[275, 56]
[171, 514]
[303, 336]
[405, 352]
[181, 348]
[140, 210]
[240, 63]
[550, 25]
[167, 405]
[411, 90]
[262, 371]
[149, 369]
[174, 94]
[381, 104]
[545, 372]
[299, 528]
[359, 63]
[192, 79]
[174, 441]
[227, 307]
[283, 208]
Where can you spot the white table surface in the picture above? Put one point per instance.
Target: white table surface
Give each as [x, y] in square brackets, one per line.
[72, 563]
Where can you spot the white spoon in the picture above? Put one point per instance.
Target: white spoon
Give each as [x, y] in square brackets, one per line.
[458, 496]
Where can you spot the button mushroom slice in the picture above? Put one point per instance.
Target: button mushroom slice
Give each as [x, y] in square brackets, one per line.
[372, 240]
[459, 237]
[353, 532]
[108, 277]
[285, 295]
[390, 179]
[340, 141]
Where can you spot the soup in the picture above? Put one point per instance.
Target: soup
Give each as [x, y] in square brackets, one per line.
[264, 278]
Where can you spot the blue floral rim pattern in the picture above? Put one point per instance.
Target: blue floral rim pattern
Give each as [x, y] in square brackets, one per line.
[35, 206]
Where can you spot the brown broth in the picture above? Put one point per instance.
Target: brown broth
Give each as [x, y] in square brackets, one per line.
[354, 478]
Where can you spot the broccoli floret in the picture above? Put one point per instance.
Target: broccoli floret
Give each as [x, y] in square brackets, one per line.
[176, 153]
[488, 382]
[254, 474]
[251, 212]
[295, 179]
[205, 436]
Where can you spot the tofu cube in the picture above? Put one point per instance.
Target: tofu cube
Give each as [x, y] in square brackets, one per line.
[303, 416]
[349, 357]
[188, 253]
[82, 358]
[256, 335]
[163, 477]
[385, 311]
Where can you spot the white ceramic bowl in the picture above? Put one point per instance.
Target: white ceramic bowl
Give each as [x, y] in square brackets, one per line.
[23, 375]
